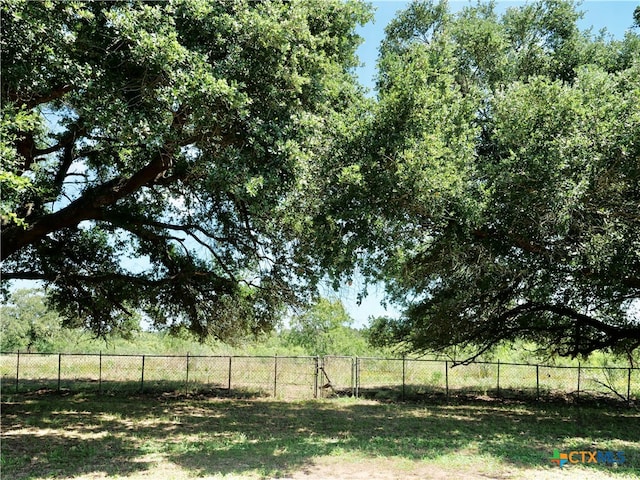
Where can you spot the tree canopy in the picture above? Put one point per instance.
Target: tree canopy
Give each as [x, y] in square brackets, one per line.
[27, 323]
[153, 153]
[495, 187]
[325, 328]
[207, 163]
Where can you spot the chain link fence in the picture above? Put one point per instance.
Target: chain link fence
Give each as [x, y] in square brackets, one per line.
[312, 377]
[281, 377]
[419, 378]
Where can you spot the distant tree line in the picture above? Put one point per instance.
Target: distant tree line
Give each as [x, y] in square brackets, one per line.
[324, 328]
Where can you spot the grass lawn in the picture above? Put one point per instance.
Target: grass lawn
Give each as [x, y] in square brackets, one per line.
[167, 437]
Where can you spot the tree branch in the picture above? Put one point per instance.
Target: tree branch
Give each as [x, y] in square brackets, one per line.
[35, 100]
[88, 207]
[100, 278]
[516, 240]
[67, 143]
[613, 334]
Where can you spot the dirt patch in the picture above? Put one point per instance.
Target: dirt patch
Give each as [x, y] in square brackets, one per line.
[325, 468]
[386, 469]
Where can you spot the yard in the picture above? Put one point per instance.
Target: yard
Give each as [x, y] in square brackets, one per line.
[86, 436]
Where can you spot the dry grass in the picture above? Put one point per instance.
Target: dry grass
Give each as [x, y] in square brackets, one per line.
[169, 437]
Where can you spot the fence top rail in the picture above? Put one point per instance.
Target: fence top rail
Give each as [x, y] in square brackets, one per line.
[514, 364]
[314, 357]
[156, 355]
[542, 365]
[302, 357]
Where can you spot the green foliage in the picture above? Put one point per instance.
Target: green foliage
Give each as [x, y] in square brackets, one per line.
[498, 182]
[154, 154]
[325, 329]
[29, 324]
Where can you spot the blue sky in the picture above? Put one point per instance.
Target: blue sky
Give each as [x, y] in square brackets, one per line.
[615, 16]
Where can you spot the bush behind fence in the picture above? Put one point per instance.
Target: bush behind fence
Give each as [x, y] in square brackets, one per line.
[311, 377]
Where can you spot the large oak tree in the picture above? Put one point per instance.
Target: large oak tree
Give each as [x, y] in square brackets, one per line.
[153, 153]
[495, 188]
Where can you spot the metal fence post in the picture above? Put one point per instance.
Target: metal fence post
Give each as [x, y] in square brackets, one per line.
[404, 372]
[629, 386]
[498, 375]
[446, 378]
[100, 374]
[229, 378]
[353, 377]
[537, 382]
[275, 375]
[357, 375]
[142, 376]
[186, 383]
[17, 370]
[578, 380]
[315, 377]
[59, 365]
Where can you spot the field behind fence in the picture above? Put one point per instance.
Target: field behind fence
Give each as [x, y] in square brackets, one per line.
[312, 377]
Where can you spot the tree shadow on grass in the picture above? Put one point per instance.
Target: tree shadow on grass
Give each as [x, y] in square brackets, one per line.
[59, 456]
[280, 438]
[209, 436]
